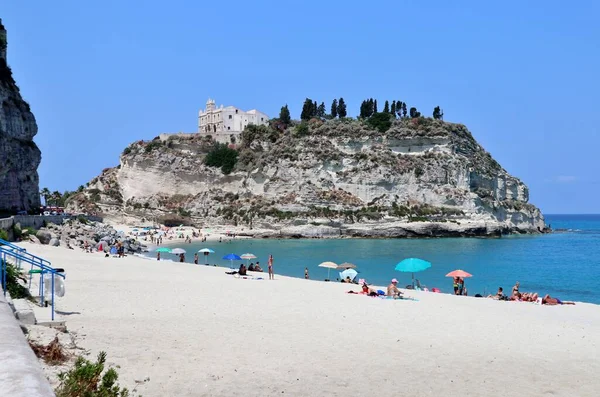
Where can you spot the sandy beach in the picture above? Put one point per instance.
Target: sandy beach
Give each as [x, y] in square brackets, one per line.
[195, 331]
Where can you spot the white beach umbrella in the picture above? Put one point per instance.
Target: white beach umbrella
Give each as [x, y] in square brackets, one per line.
[206, 251]
[178, 251]
[329, 266]
[247, 256]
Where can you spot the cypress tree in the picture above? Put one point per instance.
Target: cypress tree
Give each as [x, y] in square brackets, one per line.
[284, 115]
[375, 106]
[321, 110]
[334, 109]
[341, 108]
[393, 109]
[306, 109]
[386, 107]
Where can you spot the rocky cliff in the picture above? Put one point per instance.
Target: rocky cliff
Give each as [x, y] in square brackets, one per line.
[421, 177]
[19, 155]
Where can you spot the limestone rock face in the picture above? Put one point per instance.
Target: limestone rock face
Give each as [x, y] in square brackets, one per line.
[19, 155]
[421, 177]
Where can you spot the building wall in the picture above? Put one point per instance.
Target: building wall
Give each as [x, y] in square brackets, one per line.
[227, 119]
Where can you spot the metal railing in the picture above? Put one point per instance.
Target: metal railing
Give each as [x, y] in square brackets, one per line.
[19, 254]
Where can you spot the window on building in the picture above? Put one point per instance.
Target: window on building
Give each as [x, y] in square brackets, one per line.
[261, 119]
[236, 111]
[230, 117]
[228, 128]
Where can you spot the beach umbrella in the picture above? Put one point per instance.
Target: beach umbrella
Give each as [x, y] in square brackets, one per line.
[248, 256]
[350, 273]
[412, 265]
[232, 257]
[347, 265]
[459, 273]
[178, 251]
[206, 251]
[329, 266]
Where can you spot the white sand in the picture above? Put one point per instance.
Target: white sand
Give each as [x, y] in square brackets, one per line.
[195, 331]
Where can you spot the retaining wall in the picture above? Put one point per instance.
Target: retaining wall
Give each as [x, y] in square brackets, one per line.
[37, 221]
[20, 372]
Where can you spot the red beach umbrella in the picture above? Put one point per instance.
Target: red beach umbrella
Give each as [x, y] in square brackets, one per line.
[459, 273]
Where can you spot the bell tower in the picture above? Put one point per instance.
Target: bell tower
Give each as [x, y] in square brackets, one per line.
[210, 105]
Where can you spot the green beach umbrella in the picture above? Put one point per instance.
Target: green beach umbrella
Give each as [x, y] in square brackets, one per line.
[163, 249]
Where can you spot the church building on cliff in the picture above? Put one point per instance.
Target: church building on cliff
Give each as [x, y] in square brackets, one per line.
[227, 120]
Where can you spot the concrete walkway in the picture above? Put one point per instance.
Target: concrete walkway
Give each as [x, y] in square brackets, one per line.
[20, 371]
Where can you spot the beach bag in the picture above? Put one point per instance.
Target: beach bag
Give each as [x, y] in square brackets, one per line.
[380, 292]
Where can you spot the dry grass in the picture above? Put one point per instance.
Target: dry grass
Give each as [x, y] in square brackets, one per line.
[52, 354]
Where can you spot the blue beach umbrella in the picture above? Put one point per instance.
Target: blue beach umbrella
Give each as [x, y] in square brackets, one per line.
[232, 257]
[412, 265]
[350, 273]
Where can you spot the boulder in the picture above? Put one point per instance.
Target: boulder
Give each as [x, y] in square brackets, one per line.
[44, 236]
[54, 242]
[32, 238]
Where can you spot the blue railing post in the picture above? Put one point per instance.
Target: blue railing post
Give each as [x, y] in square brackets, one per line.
[4, 286]
[23, 255]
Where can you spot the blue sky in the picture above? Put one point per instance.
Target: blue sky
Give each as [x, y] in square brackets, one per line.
[521, 75]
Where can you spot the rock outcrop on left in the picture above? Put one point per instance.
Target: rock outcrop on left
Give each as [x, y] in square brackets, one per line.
[19, 155]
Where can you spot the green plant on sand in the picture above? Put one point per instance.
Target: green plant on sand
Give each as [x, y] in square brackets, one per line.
[88, 379]
[16, 289]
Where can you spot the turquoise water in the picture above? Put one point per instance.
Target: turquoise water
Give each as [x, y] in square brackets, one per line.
[563, 264]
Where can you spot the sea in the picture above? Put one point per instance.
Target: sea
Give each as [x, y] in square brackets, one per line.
[564, 264]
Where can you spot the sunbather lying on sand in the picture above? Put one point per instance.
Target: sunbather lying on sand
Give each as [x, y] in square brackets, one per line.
[548, 300]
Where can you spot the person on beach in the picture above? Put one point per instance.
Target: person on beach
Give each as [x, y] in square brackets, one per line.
[548, 300]
[257, 267]
[393, 291]
[306, 273]
[499, 295]
[242, 271]
[181, 258]
[515, 289]
[158, 256]
[461, 285]
[455, 285]
[270, 265]
[196, 258]
[251, 267]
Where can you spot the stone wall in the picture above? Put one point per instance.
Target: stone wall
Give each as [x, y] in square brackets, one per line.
[20, 372]
[37, 221]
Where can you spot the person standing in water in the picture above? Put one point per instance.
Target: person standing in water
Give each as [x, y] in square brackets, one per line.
[306, 273]
[196, 258]
[271, 273]
[158, 256]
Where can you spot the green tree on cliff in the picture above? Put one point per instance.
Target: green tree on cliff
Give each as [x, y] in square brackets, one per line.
[386, 107]
[321, 112]
[393, 109]
[414, 113]
[437, 113]
[307, 109]
[374, 106]
[284, 115]
[341, 108]
[334, 109]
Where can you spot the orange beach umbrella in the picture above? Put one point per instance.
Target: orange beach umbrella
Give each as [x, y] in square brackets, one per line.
[459, 273]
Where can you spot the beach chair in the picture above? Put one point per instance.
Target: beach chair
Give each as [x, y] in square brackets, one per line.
[420, 287]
